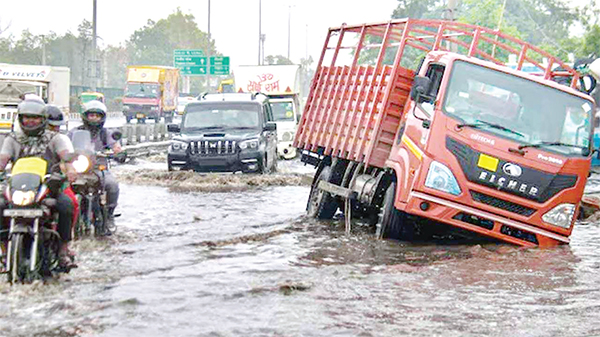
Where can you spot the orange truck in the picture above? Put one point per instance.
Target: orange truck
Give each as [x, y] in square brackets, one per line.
[151, 92]
[418, 126]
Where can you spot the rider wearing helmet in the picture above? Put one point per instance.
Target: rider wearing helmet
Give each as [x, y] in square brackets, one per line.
[55, 118]
[93, 117]
[31, 138]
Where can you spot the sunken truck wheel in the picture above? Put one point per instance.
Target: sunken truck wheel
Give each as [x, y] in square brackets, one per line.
[321, 204]
[392, 223]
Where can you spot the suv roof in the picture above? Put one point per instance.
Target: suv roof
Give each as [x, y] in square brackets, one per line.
[233, 97]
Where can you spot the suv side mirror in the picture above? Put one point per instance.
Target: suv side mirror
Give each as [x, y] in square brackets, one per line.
[271, 126]
[173, 128]
[420, 88]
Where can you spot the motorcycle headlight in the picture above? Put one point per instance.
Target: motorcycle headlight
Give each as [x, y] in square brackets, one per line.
[249, 144]
[561, 215]
[287, 136]
[23, 198]
[177, 146]
[441, 178]
[81, 164]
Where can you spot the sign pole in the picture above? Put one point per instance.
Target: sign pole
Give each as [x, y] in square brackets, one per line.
[208, 52]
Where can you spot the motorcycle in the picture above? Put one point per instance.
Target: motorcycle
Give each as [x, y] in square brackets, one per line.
[33, 239]
[89, 187]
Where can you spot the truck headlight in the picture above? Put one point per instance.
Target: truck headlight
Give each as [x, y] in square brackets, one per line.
[125, 107]
[23, 198]
[249, 144]
[153, 108]
[177, 146]
[287, 136]
[441, 178]
[561, 215]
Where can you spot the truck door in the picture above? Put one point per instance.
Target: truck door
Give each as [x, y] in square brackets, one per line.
[271, 136]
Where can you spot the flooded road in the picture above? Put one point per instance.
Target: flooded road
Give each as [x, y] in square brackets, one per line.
[247, 263]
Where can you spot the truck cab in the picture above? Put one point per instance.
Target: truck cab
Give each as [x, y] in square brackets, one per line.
[11, 92]
[225, 133]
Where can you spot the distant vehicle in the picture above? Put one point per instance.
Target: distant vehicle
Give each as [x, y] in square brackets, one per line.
[225, 133]
[90, 96]
[282, 84]
[151, 92]
[226, 86]
[49, 83]
[182, 101]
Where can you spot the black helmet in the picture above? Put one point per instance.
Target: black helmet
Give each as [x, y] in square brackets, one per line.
[55, 116]
[32, 108]
[97, 107]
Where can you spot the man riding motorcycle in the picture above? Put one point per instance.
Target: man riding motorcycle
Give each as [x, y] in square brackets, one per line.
[32, 138]
[56, 119]
[94, 117]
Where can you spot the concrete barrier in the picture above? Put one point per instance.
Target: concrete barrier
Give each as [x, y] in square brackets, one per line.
[143, 133]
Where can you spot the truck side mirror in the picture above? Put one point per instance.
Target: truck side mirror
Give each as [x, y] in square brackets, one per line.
[173, 128]
[420, 88]
[117, 135]
[271, 126]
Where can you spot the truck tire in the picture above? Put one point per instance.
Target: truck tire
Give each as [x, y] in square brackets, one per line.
[168, 119]
[392, 223]
[128, 119]
[321, 205]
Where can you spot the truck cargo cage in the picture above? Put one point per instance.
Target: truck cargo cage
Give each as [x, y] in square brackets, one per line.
[364, 77]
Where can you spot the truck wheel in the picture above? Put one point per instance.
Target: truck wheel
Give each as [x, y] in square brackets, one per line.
[321, 204]
[128, 119]
[392, 223]
[141, 120]
[168, 119]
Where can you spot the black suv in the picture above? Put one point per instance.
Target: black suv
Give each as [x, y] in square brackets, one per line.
[225, 133]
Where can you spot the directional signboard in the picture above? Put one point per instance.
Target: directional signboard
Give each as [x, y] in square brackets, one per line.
[219, 65]
[191, 62]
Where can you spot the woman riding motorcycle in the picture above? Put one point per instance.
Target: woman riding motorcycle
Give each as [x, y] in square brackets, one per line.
[32, 139]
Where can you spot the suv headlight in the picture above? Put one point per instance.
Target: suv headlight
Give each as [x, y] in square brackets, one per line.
[179, 146]
[251, 144]
[441, 178]
[561, 215]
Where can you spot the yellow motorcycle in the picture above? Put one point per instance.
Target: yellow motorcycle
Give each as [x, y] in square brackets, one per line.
[33, 240]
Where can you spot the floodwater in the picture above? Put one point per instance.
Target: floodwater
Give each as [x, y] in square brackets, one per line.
[248, 263]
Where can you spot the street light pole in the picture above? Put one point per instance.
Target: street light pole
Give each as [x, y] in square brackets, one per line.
[289, 26]
[94, 66]
[208, 52]
[259, 28]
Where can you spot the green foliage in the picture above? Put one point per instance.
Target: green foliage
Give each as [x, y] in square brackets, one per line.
[277, 59]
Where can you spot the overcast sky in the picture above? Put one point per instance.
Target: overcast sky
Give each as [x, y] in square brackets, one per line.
[234, 23]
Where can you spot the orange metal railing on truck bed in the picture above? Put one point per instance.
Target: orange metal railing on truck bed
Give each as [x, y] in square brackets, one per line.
[357, 97]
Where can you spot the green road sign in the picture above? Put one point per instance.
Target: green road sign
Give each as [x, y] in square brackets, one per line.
[219, 61]
[179, 61]
[188, 52]
[219, 70]
[192, 70]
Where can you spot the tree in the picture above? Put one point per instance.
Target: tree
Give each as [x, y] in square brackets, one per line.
[278, 59]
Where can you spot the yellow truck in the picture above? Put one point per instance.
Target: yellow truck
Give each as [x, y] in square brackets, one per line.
[151, 92]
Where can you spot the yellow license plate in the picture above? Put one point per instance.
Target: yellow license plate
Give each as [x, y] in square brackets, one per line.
[488, 162]
[140, 116]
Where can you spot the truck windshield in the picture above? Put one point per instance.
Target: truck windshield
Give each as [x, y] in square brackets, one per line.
[522, 110]
[221, 116]
[282, 111]
[142, 90]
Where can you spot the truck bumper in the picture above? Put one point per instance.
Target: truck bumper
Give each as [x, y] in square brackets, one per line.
[481, 222]
[247, 162]
[286, 150]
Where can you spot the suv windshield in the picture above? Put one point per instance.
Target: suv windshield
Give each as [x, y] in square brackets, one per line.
[142, 90]
[519, 109]
[222, 116]
[282, 111]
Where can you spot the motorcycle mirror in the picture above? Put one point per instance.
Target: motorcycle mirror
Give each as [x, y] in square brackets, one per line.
[117, 135]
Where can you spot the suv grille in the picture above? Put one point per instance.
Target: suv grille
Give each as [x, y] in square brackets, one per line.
[213, 147]
[503, 204]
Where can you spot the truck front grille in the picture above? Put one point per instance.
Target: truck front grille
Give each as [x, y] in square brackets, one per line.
[502, 204]
[213, 147]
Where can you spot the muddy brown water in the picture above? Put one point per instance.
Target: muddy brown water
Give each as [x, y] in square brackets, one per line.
[247, 263]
